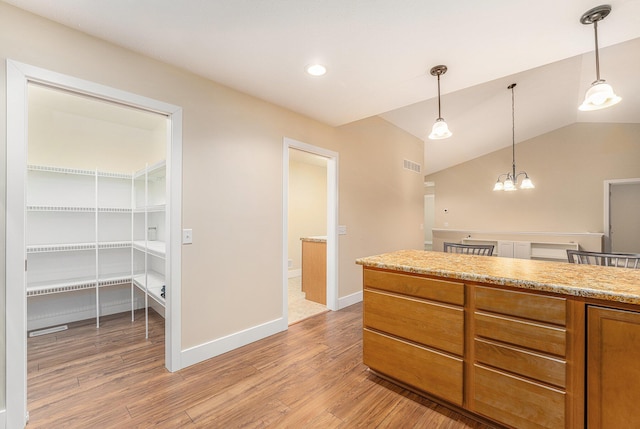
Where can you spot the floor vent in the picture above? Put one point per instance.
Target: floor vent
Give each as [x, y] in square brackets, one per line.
[413, 166]
[48, 331]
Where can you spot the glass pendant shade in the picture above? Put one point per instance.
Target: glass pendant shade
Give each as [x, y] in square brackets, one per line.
[526, 184]
[599, 96]
[499, 186]
[440, 130]
[508, 185]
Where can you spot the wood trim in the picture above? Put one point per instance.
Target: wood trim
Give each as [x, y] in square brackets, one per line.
[576, 356]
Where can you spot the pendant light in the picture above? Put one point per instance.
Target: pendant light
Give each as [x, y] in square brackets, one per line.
[440, 129]
[600, 95]
[509, 181]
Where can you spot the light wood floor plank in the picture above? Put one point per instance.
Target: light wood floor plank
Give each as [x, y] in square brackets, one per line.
[311, 376]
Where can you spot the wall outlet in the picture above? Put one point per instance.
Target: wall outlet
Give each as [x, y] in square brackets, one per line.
[342, 229]
[290, 263]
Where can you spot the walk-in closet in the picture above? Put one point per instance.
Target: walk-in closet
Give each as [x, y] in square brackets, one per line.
[95, 210]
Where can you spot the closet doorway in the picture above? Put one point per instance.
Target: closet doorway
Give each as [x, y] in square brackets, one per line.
[50, 182]
[309, 230]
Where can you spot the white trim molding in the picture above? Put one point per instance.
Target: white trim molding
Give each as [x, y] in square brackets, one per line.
[332, 220]
[202, 352]
[19, 75]
[348, 300]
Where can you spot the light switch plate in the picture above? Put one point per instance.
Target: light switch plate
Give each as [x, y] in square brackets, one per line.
[342, 229]
[187, 236]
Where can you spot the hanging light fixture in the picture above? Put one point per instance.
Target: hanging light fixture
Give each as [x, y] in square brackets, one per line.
[600, 95]
[440, 129]
[509, 181]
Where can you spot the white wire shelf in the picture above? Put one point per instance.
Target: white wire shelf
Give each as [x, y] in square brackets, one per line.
[153, 285]
[76, 247]
[36, 208]
[77, 171]
[70, 285]
[75, 209]
[155, 248]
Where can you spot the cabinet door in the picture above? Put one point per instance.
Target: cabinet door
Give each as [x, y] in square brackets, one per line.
[613, 368]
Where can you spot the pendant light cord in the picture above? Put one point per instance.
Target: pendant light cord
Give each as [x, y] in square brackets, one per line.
[513, 130]
[595, 29]
[439, 112]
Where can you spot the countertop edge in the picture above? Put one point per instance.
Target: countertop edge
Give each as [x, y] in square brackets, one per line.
[550, 287]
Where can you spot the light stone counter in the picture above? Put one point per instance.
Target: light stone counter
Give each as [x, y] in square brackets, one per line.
[315, 239]
[604, 283]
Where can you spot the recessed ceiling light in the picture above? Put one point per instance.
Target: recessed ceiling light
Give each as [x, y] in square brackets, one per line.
[316, 69]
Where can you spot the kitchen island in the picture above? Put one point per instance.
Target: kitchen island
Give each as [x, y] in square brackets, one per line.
[521, 343]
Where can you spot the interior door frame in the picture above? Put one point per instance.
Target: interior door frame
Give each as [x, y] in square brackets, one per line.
[19, 75]
[607, 208]
[332, 221]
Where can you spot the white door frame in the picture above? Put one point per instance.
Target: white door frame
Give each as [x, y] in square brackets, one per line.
[18, 77]
[607, 208]
[332, 221]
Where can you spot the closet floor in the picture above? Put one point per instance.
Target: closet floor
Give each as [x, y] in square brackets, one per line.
[310, 376]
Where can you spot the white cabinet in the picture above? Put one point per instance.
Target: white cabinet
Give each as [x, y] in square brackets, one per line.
[514, 249]
[78, 231]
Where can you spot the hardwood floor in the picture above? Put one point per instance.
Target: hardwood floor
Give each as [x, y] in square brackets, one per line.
[311, 376]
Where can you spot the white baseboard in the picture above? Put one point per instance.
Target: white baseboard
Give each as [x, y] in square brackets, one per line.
[222, 345]
[348, 300]
[294, 273]
[214, 348]
[61, 317]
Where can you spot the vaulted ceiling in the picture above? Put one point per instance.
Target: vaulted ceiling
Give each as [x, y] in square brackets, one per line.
[378, 54]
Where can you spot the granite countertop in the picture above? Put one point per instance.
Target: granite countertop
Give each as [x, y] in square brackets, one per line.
[315, 239]
[606, 283]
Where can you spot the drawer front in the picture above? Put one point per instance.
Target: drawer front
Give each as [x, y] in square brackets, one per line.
[521, 333]
[533, 365]
[427, 370]
[437, 290]
[517, 402]
[531, 306]
[435, 325]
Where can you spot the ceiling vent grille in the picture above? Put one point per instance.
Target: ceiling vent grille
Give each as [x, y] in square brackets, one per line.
[413, 166]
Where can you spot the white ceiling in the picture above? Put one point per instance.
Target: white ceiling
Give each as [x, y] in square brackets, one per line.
[379, 53]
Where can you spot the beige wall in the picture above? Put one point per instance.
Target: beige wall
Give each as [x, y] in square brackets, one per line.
[67, 130]
[377, 203]
[232, 177]
[568, 167]
[307, 206]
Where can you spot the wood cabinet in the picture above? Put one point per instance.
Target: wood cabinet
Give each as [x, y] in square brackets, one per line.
[314, 270]
[518, 358]
[613, 368]
[414, 332]
[512, 357]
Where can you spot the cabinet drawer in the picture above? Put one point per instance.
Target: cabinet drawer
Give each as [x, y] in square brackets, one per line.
[436, 325]
[533, 365]
[531, 306]
[427, 370]
[522, 333]
[517, 402]
[437, 290]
